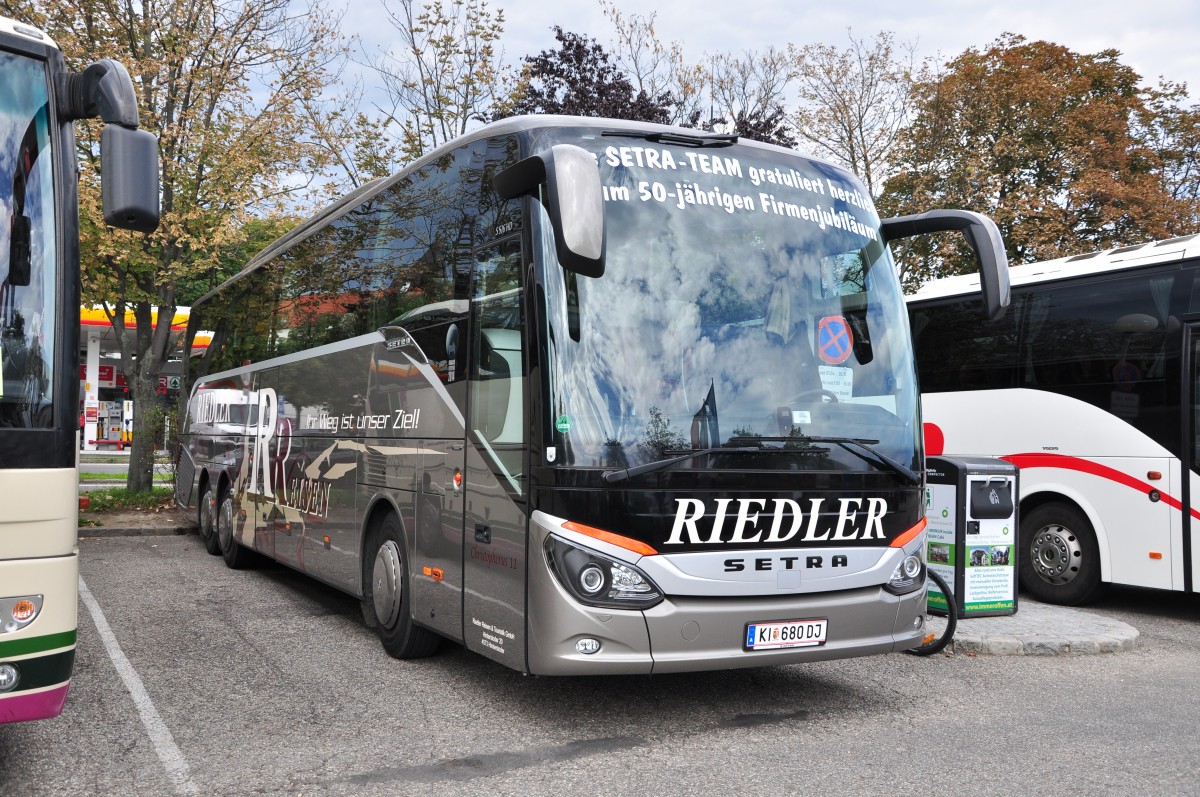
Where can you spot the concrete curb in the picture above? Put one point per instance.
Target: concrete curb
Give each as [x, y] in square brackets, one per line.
[1039, 629]
[131, 531]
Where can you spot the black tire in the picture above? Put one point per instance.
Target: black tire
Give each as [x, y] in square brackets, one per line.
[206, 516]
[236, 555]
[1058, 558]
[386, 594]
[936, 642]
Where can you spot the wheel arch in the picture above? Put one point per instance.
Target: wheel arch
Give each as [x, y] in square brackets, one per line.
[379, 508]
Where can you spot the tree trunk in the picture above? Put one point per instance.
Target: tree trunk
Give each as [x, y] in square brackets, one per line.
[146, 413]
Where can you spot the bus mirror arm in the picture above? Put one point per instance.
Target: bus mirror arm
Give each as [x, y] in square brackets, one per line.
[104, 89]
[983, 236]
[574, 199]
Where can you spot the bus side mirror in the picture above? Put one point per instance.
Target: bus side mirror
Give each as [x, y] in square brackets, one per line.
[129, 178]
[984, 238]
[574, 198]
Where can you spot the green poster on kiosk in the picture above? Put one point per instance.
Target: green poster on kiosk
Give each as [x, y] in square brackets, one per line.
[971, 507]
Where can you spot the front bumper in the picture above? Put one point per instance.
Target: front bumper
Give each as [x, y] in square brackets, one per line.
[689, 633]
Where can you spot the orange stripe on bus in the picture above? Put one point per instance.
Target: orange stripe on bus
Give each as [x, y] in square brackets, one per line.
[629, 544]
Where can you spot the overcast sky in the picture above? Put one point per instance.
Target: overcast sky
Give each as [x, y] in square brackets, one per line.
[1155, 37]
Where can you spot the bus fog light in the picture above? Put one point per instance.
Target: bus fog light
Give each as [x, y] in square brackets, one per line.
[9, 675]
[918, 621]
[588, 646]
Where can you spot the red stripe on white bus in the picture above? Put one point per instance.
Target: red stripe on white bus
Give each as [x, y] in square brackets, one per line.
[1064, 462]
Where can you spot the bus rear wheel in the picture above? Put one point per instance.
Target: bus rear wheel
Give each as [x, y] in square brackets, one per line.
[208, 520]
[1059, 557]
[386, 594]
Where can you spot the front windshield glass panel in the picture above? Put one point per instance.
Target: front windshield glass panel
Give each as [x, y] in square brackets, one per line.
[748, 302]
[27, 247]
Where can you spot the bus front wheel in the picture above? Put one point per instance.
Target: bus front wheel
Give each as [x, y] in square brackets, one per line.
[1059, 557]
[386, 594]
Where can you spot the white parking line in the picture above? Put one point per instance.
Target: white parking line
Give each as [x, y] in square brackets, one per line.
[164, 744]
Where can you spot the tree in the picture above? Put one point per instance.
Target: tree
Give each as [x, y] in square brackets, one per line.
[446, 74]
[654, 67]
[747, 95]
[1173, 132]
[771, 126]
[224, 84]
[1040, 138]
[854, 102]
[579, 79]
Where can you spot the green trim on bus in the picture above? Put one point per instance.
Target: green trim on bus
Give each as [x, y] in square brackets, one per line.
[37, 644]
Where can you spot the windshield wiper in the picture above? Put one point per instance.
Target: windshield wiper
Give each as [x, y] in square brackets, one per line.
[612, 476]
[876, 456]
[655, 137]
[872, 455]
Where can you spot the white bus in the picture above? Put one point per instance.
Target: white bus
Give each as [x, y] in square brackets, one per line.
[584, 396]
[39, 342]
[1089, 384]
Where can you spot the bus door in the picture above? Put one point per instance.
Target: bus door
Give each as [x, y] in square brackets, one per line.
[437, 563]
[1187, 575]
[494, 557]
[428, 415]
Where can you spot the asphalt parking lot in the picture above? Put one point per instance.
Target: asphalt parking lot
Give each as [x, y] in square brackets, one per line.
[195, 679]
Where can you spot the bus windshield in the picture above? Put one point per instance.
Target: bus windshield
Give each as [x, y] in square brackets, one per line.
[748, 302]
[28, 254]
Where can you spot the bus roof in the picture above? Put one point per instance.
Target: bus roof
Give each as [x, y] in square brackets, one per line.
[1120, 258]
[512, 124]
[25, 31]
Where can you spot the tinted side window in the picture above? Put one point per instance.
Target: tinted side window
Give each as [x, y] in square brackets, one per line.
[957, 348]
[405, 249]
[1105, 343]
[244, 324]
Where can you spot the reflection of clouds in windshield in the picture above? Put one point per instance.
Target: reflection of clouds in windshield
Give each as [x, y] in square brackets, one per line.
[27, 309]
[11, 138]
[680, 333]
[698, 296]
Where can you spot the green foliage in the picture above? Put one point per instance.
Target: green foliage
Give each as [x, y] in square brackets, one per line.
[1044, 141]
[119, 498]
[579, 79]
[227, 87]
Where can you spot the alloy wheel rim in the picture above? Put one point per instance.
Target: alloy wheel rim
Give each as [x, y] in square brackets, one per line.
[1056, 554]
[387, 583]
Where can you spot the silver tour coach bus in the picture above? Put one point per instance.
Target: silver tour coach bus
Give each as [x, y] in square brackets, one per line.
[585, 396]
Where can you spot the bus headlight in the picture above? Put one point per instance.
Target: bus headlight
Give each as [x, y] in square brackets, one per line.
[908, 576]
[10, 676]
[594, 579]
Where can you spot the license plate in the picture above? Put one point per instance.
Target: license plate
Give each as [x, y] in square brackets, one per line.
[788, 634]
